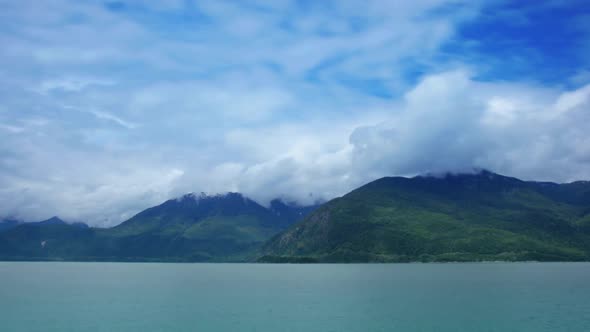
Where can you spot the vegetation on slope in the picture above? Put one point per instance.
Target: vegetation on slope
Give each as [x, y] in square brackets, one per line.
[474, 217]
[193, 228]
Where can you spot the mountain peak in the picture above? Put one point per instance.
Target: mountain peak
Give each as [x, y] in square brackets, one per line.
[192, 196]
[196, 197]
[475, 175]
[196, 206]
[52, 221]
[474, 172]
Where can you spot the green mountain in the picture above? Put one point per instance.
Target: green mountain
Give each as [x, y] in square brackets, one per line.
[466, 217]
[194, 227]
[45, 240]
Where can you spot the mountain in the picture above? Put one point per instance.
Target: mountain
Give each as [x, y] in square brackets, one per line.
[454, 217]
[194, 227]
[51, 221]
[51, 239]
[7, 224]
[198, 227]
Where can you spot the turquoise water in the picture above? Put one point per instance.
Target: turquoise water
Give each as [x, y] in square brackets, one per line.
[258, 297]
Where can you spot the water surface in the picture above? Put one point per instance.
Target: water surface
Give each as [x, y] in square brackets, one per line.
[489, 297]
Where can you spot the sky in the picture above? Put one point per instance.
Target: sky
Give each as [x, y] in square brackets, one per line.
[110, 107]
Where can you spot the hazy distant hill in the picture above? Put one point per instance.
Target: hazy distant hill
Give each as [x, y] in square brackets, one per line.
[194, 227]
[467, 217]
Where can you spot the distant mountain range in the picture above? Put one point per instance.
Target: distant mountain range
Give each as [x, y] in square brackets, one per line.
[465, 217]
[452, 217]
[194, 227]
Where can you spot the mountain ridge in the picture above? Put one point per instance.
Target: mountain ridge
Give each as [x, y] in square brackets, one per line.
[191, 227]
[462, 217]
[442, 217]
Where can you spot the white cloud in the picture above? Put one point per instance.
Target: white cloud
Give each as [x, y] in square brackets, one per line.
[450, 122]
[570, 101]
[71, 84]
[115, 119]
[12, 129]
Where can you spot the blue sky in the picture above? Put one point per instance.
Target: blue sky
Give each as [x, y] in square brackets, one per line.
[111, 107]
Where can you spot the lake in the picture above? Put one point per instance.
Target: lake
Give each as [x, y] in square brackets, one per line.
[266, 297]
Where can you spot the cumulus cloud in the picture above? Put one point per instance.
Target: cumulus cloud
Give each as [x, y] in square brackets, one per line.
[450, 122]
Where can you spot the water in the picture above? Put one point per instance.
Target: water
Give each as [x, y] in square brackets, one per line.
[257, 297]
